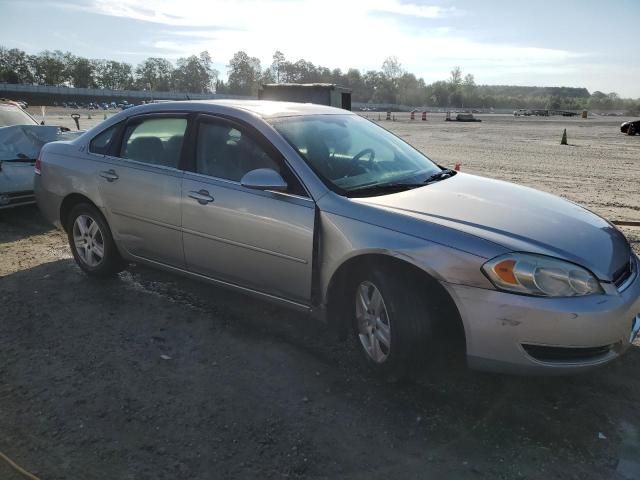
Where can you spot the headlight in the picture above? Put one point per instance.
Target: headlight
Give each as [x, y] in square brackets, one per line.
[540, 275]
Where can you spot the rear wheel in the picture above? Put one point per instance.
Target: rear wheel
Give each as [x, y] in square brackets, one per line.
[632, 129]
[91, 242]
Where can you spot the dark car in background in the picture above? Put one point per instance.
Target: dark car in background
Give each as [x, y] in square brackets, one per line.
[630, 128]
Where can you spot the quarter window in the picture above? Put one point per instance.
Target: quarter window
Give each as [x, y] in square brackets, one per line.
[101, 142]
[156, 141]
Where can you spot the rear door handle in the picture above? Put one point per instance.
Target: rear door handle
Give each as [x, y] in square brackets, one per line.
[202, 196]
[109, 175]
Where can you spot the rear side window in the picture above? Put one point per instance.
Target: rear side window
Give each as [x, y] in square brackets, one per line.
[101, 143]
[157, 141]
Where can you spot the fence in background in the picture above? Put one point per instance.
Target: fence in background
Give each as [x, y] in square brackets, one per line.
[26, 92]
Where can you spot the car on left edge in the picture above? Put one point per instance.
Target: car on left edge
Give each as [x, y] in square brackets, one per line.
[21, 138]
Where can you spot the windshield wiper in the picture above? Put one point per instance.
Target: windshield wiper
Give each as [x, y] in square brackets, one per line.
[399, 186]
[446, 173]
[382, 188]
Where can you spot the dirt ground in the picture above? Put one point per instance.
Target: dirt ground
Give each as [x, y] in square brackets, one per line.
[151, 376]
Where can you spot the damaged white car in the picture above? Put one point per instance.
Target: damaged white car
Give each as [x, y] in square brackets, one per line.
[21, 138]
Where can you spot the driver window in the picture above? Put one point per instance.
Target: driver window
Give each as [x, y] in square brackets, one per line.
[227, 152]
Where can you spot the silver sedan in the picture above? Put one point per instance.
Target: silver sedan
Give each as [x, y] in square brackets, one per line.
[323, 211]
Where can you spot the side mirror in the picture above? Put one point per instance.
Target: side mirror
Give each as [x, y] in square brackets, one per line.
[264, 179]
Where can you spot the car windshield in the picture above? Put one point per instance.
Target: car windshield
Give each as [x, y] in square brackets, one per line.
[11, 115]
[351, 153]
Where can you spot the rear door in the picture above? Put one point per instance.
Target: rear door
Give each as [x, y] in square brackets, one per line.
[141, 184]
[260, 240]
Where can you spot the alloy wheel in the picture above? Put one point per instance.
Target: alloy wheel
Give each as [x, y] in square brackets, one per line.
[374, 326]
[88, 240]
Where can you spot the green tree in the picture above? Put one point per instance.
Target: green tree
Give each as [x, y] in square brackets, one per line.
[114, 75]
[277, 65]
[387, 89]
[438, 93]
[553, 103]
[267, 77]
[392, 68]
[195, 74]
[306, 72]
[154, 74]
[353, 80]
[50, 68]
[244, 74]
[455, 90]
[221, 87]
[469, 91]
[455, 79]
[81, 72]
[411, 91]
[15, 66]
[381, 87]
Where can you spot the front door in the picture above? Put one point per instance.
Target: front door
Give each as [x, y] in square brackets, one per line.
[260, 240]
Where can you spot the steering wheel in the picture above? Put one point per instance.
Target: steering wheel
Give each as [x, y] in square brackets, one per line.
[356, 158]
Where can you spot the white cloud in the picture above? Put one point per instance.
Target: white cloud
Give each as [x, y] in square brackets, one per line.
[410, 9]
[317, 31]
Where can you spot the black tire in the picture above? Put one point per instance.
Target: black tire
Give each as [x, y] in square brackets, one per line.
[110, 262]
[632, 129]
[412, 321]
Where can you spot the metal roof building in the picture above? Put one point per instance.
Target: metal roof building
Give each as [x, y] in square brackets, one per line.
[318, 93]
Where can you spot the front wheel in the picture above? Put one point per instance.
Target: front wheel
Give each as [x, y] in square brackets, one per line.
[91, 242]
[632, 129]
[393, 323]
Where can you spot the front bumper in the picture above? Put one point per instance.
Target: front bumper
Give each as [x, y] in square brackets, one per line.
[521, 334]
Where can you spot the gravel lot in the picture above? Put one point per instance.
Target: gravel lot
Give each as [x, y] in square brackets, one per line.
[151, 376]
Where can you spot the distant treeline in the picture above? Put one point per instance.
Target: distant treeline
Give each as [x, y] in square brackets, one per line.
[389, 85]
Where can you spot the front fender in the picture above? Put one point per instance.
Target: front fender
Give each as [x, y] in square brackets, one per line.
[343, 239]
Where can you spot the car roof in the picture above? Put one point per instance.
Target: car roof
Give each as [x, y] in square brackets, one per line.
[262, 108]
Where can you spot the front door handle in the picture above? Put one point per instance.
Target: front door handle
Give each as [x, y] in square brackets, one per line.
[109, 175]
[202, 196]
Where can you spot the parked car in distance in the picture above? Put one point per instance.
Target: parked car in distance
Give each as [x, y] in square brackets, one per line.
[522, 112]
[323, 211]
[21, 138]
[462, 117]
[631, 128]
[466, 117]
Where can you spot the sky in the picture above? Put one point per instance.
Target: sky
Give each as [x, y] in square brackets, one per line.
[584, 43]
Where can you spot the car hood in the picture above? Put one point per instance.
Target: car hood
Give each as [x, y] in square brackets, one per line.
[517, 218]
[25, 141]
